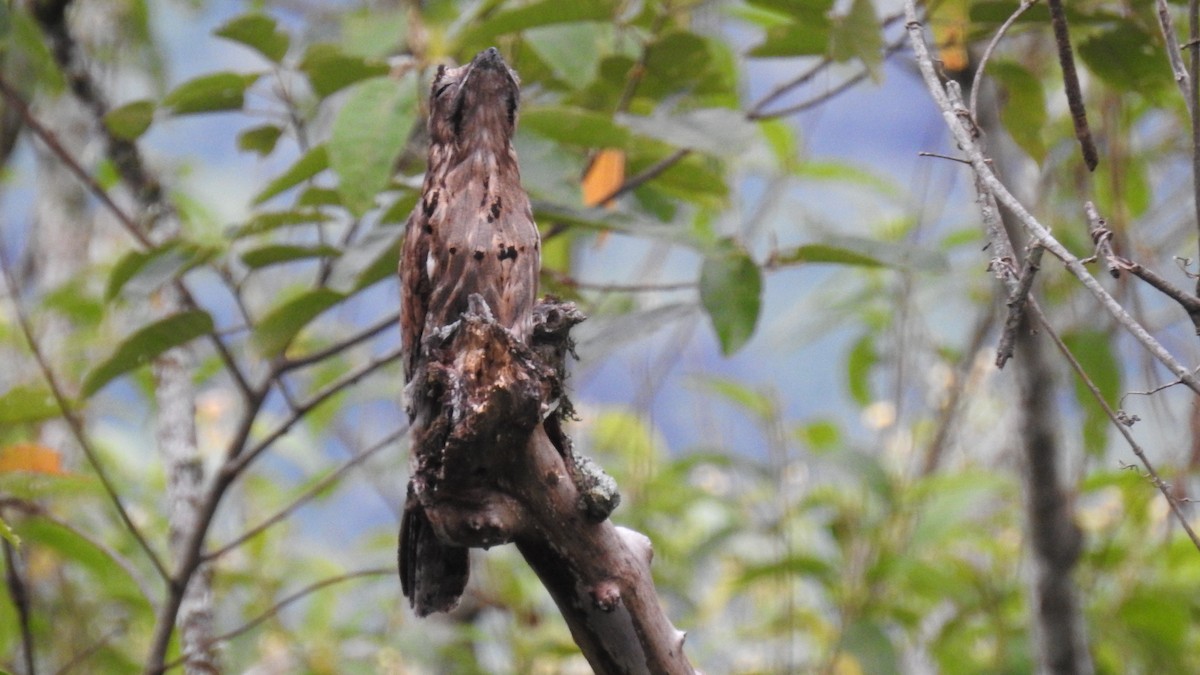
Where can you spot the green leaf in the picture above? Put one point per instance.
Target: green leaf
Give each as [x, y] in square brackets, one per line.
[310, 164]
[1159, 619]
[261, 139]
[482, 33]
[368, 134]
[857, 35]
[319, 196]
[871, 647]
[151, 269]
[131, 120]
[696, 178]
[274, 254]
[27, 403]
[1127, 57]
[731, 293]
[374, 31]
[573, 50]
[717, 131]
[821, 435]
[258, 32]
[108, 578]
[806, 11]
[781, 138]
[754, 402]
[951, 506]
[279, 327]
[1093, 350]
[868, 253]
[329, 69]
[794, 39]
[575, 126]
[147, 343]
[6, 533]
[210, 93]
[269, 221]
[861, 359]
[1024, 110]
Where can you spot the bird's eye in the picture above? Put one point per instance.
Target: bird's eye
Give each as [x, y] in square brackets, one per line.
[438, 91]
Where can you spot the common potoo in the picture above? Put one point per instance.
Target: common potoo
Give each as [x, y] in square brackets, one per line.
[472, 233]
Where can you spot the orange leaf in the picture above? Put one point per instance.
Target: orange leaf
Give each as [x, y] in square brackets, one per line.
[950, 36]
[32, 458]
[603, 177]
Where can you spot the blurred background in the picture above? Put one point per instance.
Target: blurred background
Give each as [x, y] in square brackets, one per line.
[788, 365]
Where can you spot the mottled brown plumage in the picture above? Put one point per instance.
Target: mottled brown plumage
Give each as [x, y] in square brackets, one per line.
[472, 233]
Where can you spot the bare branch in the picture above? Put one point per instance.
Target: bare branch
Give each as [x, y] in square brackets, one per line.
[391, 321]
[1174, 53]
[1017, 301]
[279, 606]
[1066, 57]
[1102, 238]
[954, 113]
[1187, 301]
[18, 593]
[757, 111]
[987, 53]
[236, 466]
[1193, 101]
[308, 494]
[1122, 427]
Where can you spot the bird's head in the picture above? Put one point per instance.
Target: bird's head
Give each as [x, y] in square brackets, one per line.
[475, 105]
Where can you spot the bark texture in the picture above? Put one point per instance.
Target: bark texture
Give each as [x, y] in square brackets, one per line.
[484, 368]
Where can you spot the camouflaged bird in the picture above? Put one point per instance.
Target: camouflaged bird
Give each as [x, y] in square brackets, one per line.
[471, 234]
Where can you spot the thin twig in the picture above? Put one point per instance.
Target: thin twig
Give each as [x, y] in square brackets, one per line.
[1102, 238]
[120, 626]
[1066, 57]
[939, 155]
[238, 464]
[390, 321]
[12, 98]
[1017, 302]
[1174, 53]
[279, 606]
[987, 54]
[1116, 421]
[632, 183]
[953, 114]
[64, 406]
[307, 495]
[648, 174]
[1150, 392]
[1193, 98]
[127, 221]
[758, 113]
[18, 594]
[1187, 301]
[35, 510]
[572, 282]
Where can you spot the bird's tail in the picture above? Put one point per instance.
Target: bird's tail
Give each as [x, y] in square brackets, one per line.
[433, 574]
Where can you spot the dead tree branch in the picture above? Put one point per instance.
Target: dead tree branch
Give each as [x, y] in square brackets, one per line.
[494, 466]
[956, 117]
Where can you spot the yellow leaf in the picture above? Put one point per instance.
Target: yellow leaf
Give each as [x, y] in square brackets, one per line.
[950, 36]
[32, 458]
[603, 177]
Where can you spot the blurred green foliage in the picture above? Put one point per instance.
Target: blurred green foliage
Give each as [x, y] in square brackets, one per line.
[814, 545]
